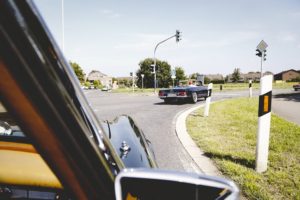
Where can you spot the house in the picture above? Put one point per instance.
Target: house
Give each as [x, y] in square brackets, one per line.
[103, 78]
[215, 78]
[287, 75]
[254, 76]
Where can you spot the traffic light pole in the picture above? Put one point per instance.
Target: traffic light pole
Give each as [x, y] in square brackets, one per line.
[261, 63]
[154, 58]
[261, 52]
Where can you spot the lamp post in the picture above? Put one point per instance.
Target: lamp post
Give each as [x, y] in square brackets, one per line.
[142, 75]
[63, 25]
[178, 38]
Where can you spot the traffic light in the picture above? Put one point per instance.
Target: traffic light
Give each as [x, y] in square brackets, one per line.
[265, 55]
[131, 73]
[258, 53]
[178, 35]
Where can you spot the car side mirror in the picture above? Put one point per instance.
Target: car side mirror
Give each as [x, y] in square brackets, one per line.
[150, 184]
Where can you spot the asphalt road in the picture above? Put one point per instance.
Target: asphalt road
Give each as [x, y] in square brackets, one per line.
[287, 106]
[156, 119]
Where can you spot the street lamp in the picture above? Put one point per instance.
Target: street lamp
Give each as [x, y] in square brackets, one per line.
[178, 38]
[142, 75]
[63, 25]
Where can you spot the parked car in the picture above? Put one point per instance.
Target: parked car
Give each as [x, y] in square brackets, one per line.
[63, 151]
[296, 87]
[186, 93]
[106, 88]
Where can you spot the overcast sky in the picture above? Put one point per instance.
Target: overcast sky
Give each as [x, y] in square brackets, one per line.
[217, 35]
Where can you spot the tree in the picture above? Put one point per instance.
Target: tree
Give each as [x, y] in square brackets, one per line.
[87, 84]
[206, 80]
[194, 75]
[236, 75]
[180, 75]
[114, 79]
[78, 71]
[97, 84]
[163, 73]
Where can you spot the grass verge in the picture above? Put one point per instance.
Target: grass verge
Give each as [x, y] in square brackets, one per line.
[216, 87]
[244, 86]
[228, 136]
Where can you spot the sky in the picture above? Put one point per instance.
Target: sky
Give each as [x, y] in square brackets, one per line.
[217, 35]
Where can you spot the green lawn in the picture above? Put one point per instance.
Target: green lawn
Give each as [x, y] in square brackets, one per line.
[216, 87]
[244, 86]
[228, 136]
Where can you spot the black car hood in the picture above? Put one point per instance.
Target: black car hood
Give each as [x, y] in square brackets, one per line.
[124, 131]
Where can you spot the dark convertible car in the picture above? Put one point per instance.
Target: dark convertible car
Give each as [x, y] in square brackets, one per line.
[63, 151]
[188, 93]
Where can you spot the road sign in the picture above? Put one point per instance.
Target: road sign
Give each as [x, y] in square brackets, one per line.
[262, 46]
[173, 73]
[200, 79]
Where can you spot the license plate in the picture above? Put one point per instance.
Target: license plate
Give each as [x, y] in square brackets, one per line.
[171, 95]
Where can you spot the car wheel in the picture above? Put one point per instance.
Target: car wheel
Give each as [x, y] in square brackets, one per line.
[194, 97]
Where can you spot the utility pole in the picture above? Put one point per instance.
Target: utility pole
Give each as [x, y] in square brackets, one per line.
[178, 38]
[63, 25]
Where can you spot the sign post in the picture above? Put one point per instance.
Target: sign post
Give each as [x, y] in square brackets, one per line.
[200, 79]
[142, 75]
[131, 74]
[173, 75]
[207, 102]
[261, 49]
[264, 123]
[250, 88]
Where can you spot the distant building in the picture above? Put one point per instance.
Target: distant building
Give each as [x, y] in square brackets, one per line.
[215, 77]
[287, 75]
[103, 78]
[254, 76]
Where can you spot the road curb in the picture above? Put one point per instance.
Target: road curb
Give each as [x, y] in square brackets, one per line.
[202, 161]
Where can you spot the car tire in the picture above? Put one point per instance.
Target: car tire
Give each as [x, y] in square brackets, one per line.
[194, 97]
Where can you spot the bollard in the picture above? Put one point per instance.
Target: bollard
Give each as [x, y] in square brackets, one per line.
[250, 88]
[264, 124]
[207, 103]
